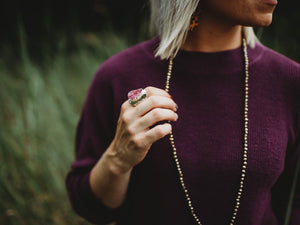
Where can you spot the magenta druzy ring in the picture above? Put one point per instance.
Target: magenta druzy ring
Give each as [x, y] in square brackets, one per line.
[135, 96]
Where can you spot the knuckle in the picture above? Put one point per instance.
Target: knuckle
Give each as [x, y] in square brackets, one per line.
[131, 130]
[124, 106]
[125, 118]
[138, 141]
[156, 114]
[154, 100]
[148, 89]
[160, 131]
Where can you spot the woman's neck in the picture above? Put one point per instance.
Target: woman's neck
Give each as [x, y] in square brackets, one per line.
[210, 36]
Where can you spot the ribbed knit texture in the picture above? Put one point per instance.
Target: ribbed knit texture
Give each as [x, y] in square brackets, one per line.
[209, 90]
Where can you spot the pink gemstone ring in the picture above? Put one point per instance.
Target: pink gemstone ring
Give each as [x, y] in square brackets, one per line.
[135, 96]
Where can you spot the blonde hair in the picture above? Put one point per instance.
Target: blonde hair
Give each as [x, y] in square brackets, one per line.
[171, 20]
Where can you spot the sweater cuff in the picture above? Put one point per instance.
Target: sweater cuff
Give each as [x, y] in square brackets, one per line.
[96, 211]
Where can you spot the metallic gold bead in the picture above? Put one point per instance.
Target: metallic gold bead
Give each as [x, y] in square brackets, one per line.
[244, 159]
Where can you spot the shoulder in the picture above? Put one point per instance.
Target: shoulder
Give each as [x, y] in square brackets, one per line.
[277, 79]
[275, 62]
[128, 61]
[129, 69]
[275, 70]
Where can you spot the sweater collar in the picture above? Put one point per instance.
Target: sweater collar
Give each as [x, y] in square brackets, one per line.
[222, 62]
[194, 62]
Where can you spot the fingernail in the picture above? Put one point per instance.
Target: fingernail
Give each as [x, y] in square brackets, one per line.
[176, 116]
[176, 107]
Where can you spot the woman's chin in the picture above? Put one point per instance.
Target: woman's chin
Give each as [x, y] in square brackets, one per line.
[262, 21]
[267, 20]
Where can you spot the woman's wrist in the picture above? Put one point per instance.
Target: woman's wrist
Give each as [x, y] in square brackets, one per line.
[115, 164]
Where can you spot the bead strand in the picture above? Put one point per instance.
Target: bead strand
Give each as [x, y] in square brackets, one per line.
[245, 149]
[171, 137]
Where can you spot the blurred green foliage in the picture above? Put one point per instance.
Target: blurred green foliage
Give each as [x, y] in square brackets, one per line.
[40, 107]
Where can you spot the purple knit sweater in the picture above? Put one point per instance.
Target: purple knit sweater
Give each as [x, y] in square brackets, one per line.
[209, 90]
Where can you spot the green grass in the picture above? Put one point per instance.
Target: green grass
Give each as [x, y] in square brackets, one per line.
[40, 104]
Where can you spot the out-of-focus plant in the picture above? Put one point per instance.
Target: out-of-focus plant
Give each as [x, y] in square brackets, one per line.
[40, 106]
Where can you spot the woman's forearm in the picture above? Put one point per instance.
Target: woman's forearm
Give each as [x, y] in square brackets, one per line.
[108, 181]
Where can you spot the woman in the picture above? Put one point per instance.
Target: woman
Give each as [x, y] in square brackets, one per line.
[230, 105]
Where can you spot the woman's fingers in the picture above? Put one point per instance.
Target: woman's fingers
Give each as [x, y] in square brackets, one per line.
[153, 102]
[157, 91]
[151, 91]
[157, 132]
[154, 116]
[144, 140]
[157, 107]
[156, 98]
[133, 131]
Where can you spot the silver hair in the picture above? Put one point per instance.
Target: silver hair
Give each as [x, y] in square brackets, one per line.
[171, 20]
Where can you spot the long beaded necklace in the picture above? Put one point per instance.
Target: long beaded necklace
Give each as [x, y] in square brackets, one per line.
[245, 149]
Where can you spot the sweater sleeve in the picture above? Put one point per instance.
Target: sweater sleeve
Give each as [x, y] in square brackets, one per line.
[94, 133]
[285, 188]
[286, 192]
[282, 191]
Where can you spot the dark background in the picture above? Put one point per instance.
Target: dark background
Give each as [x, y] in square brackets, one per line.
[42, 22]
[45, 21]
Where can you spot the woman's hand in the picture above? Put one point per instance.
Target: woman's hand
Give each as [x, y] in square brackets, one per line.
[136, 130]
